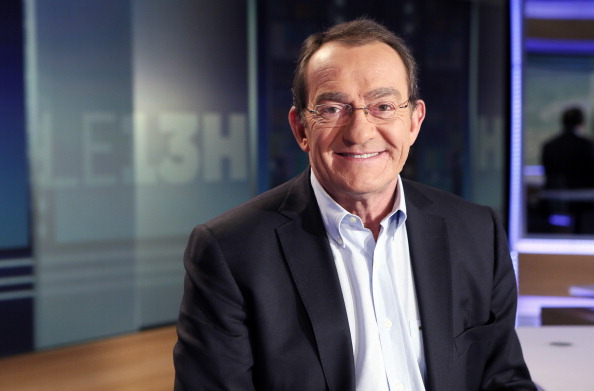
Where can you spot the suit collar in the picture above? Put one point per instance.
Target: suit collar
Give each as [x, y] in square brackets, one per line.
[310, 261]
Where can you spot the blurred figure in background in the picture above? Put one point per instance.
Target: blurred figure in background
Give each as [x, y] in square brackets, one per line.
[568, 160]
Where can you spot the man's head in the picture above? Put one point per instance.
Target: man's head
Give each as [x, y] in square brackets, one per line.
[572, 118]
[359, 114]
[354, 33]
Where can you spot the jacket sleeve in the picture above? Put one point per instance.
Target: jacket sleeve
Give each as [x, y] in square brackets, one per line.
[505, 368]
[213, 350]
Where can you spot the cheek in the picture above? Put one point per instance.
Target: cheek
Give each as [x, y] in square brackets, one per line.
[400, 147]
[318, 141]
[397, 138]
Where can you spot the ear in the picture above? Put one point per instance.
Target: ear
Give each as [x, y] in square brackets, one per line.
[299, 130]
[418, 115]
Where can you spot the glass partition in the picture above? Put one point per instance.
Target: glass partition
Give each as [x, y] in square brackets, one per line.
[139, 129]
[552, 72]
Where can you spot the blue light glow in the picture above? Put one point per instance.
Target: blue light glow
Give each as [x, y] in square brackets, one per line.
[560, 9]
[560, 220]
[559, 46]
[516, 198]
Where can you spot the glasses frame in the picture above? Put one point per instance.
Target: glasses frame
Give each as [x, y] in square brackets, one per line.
[350, 110]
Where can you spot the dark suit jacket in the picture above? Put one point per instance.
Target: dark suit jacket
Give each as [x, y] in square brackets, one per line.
[263, 309]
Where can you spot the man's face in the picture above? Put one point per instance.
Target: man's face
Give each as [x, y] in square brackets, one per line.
[360, 159]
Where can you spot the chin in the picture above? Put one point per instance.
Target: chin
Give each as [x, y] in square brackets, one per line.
[367, 188]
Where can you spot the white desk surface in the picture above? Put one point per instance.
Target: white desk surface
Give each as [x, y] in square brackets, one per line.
[560, 358]
[530, 307]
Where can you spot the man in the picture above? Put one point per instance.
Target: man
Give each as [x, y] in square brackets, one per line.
[568, 158]
[348, 277]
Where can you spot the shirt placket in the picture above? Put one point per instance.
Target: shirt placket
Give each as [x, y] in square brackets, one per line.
[361, 252]
[389, 319]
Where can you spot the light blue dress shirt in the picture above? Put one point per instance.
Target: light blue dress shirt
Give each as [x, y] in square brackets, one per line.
[378, 290]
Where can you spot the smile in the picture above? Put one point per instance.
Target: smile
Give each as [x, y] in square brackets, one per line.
[360, 156]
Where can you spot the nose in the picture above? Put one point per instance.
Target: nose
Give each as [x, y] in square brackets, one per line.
[358, 130]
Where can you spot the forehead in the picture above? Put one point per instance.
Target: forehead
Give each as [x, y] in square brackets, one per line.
[356, 70]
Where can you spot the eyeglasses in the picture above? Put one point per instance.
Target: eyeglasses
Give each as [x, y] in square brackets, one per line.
[339, 114]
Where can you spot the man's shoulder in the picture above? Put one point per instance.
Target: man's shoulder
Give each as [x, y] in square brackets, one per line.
[438, 200]
[263, 209]
[415, 189]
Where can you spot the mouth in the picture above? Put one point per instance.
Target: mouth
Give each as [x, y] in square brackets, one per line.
[359, 155]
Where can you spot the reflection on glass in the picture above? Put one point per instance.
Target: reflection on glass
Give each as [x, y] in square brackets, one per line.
[558, 98]
[562, 199]
[552, 71]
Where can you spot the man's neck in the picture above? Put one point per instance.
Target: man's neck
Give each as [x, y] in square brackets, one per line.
[371, 208]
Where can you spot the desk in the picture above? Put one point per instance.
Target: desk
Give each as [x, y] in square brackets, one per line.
[560, 358]
[530, 307]
[582, 290]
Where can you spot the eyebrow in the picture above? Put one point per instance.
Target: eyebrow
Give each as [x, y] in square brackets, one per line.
[333, 96]
[376, 94]
[382, 93]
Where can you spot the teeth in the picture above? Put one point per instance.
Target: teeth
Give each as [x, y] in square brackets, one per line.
[363, 156]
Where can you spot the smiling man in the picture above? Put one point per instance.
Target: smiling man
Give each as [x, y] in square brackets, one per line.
[361, 127]
[348, 277]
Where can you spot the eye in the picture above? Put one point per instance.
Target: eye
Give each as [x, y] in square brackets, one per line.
[329, 109]
[383, 107]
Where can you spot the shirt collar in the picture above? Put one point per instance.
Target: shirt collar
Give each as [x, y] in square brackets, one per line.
[333, 214]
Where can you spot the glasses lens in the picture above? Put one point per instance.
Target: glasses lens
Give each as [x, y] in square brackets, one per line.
[334, 114]
[383, 110]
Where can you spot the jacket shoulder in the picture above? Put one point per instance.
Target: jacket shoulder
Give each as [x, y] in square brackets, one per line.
[263, 212]
[430, 196]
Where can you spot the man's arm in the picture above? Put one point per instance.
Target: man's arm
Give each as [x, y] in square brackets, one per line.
[506, 369]
[213, 350]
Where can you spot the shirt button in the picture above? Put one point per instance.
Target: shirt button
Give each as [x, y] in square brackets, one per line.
[353, 219]
[399, 386]
[388, 324]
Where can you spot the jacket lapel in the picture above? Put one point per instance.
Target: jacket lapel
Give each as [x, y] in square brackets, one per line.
[311, 263]
[428, 245]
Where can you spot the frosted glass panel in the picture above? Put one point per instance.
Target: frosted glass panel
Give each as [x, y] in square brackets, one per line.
[138, 130]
